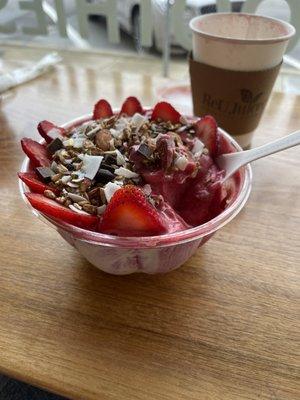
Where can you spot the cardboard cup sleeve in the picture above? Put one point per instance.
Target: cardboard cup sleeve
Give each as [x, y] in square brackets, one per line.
[235, 98]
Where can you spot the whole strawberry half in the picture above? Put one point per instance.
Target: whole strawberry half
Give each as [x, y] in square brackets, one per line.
[49, 131]
[165, 112]
[34, 184]
[129, 213]
[36, 152]
[54, 210]
[102, 109]
[131, 106]
[206, 129]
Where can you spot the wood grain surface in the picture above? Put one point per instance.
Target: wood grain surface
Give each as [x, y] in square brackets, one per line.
[223, 326]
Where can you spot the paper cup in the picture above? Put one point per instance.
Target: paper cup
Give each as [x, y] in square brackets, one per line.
[236, 59]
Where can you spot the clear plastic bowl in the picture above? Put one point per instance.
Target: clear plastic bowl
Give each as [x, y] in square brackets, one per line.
[151, 254]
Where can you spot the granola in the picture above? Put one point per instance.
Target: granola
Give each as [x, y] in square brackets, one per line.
[97, 157]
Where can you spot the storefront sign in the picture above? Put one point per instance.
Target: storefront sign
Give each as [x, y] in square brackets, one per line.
[109, 9]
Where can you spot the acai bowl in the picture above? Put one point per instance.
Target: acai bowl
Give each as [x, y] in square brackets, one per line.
[133, 190]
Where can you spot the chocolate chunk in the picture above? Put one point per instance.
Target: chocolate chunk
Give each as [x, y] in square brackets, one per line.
[108, 167]
[71, 167]
[104, 176]
[110, 159]
[122, 149]
[144, 150]
[45, 173]
[55, 145]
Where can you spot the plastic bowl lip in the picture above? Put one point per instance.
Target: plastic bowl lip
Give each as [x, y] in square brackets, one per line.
[165, 240]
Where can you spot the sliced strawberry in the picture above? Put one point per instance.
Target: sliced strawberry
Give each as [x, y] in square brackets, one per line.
[36, 152]
[54, 210]
[102, 109]
[130, 214]
[34, 184]
[165, 112]
[49, 131]
[131, 106]
[224, 146]
[206, 130]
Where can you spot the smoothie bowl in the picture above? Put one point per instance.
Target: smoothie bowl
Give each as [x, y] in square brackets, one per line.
[134, 190]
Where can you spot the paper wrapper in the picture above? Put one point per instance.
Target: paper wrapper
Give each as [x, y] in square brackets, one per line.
[22, 75]
[235, 98]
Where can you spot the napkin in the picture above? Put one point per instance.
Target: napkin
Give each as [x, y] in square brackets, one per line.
[22, 75]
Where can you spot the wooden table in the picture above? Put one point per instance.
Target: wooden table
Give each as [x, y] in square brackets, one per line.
[223, 326]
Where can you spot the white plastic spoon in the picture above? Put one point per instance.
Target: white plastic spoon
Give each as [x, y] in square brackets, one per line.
[233, 161]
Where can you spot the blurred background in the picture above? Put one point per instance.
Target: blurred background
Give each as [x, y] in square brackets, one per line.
[129, 19]
[18, 26]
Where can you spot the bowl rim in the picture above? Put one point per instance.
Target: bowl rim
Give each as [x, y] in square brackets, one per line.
[164, 240]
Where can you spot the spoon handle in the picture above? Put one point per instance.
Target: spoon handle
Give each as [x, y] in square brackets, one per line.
[233, 161]
[270, 148]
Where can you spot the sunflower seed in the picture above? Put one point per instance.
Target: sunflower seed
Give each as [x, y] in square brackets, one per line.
[182, 129]
[62, 169]
[73, 208]
[84, 203]
[72, 185]
[49, 194]
[90, 134]
[90, 208]
[88, 144]
[76, 197]
[102, 195]
[65, 179]
[56, 177]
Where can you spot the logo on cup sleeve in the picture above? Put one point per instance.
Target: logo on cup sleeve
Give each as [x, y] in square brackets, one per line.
[246, 104]
[247, 96]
